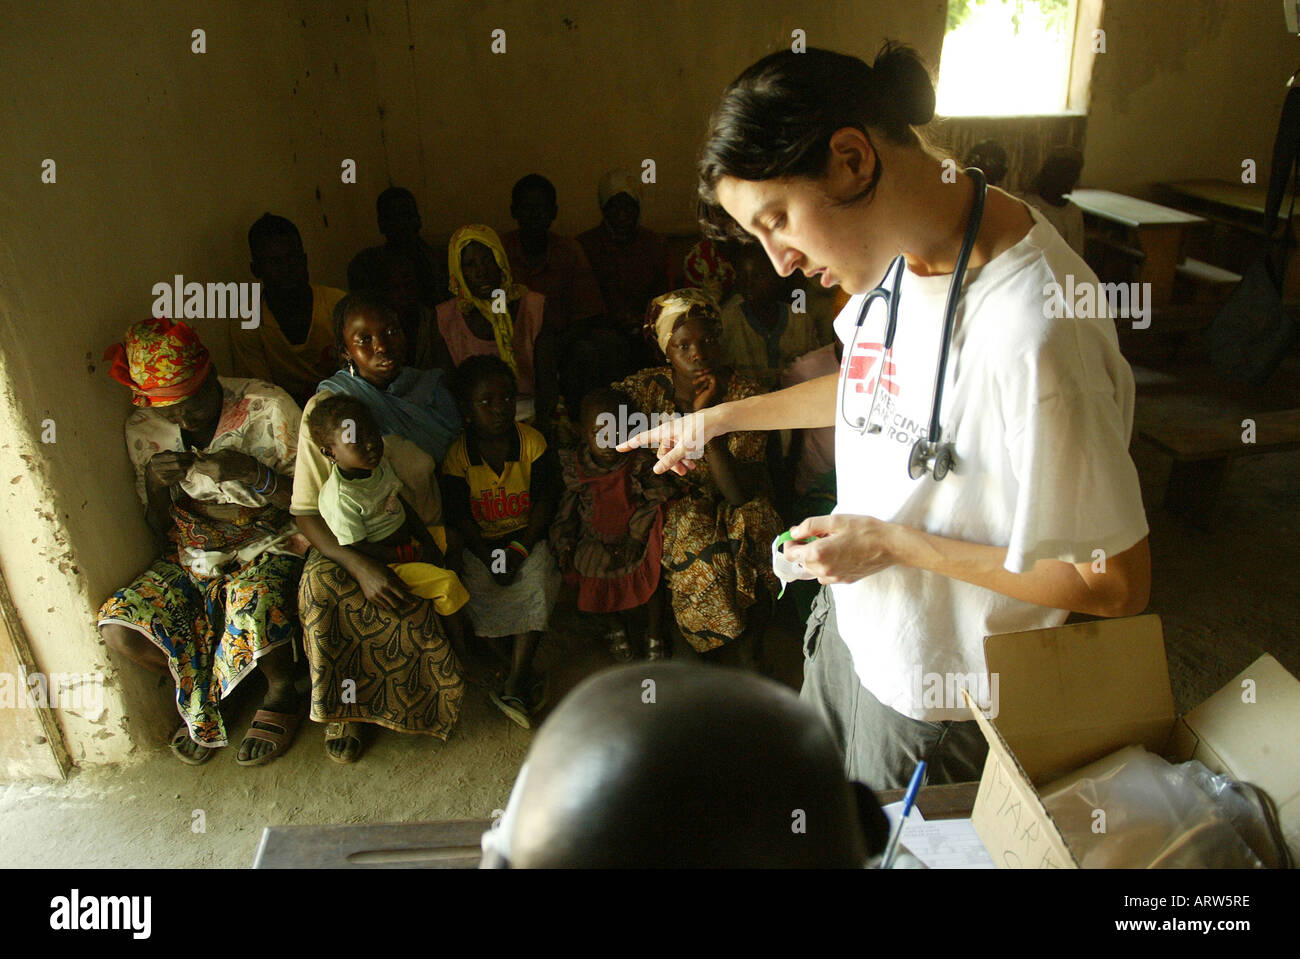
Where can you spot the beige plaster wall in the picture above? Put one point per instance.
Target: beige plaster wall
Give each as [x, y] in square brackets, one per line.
[164, 157]
[1186, 90]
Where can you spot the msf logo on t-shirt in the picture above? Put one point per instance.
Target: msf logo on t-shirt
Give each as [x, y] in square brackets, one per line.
[498, 505]
[862, 369]
[868, 362]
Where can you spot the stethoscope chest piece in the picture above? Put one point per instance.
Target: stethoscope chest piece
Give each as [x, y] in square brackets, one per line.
[933, 458]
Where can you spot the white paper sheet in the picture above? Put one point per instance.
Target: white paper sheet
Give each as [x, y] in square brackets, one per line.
[940, 843]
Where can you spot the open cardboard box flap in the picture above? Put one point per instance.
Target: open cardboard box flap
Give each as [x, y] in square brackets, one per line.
[1070, 695]
[1250, 729]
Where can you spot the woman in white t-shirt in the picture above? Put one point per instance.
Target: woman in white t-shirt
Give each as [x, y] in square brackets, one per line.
[815, 156]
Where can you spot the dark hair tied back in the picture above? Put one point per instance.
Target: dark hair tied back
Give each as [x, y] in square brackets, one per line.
[900, 75]
[776, 119]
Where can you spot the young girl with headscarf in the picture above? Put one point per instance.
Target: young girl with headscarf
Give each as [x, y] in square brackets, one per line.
[491, 315]
[718, 533]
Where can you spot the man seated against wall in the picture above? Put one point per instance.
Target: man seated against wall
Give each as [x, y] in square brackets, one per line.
[548, 263]
[293, 344]
[630, 262]
[400, 223]
[762, 332]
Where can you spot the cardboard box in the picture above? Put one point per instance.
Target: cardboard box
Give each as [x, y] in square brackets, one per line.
[1073, 694]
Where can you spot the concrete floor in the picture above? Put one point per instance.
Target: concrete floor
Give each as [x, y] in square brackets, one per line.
[146, 814]
[1225, 596]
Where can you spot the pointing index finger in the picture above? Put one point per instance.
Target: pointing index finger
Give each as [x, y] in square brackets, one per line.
[645, 438]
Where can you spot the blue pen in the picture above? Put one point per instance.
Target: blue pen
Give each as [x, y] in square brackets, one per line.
[909, 798]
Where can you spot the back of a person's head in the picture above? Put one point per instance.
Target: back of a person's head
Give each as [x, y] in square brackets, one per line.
[990, 157]
[1060, 171]
[676, 766]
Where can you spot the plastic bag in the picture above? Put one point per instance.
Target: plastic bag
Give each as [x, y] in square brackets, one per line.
[1135, 810]
[786, 571]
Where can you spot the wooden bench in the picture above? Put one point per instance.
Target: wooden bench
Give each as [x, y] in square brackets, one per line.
[1206, 282]
[1202, 453]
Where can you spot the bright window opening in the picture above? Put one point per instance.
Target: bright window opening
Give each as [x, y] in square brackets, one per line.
[1006, 57]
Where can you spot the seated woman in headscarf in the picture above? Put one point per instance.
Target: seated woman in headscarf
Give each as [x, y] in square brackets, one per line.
[213, 459]
[490, 314]
[379, 655]
[718, 533]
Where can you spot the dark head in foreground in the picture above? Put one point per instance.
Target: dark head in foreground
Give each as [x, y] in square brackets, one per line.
[675, 766]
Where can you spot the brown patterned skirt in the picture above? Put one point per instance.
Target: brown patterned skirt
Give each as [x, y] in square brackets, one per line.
[718, 563]
[373, 665]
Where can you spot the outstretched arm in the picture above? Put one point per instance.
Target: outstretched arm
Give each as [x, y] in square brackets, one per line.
[804, 406]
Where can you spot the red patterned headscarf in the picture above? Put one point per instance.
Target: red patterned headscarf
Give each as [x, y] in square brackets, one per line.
[707, 268]
[163, 362]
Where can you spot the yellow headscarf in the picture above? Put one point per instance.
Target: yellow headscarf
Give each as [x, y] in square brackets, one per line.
[503, 327]
[667, 312]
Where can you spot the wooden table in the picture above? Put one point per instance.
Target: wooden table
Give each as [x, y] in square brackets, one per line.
[455, 844]
[1225, 196]
[949, 801]
[1240, 208]
[1160, 232]
[394, 845]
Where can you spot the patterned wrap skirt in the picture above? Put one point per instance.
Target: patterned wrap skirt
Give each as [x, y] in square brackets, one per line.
[212, 631]
[395, 669]
[718, 564]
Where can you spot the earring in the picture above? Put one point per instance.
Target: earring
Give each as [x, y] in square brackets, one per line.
[351, 369]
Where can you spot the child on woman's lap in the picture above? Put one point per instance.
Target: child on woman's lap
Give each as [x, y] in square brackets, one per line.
[608, 532]
[500, 484]
[362, 504]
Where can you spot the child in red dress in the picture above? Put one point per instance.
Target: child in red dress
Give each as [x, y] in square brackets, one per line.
[608, 532]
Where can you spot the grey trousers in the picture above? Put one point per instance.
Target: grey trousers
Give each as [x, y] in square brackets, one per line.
[881, 746]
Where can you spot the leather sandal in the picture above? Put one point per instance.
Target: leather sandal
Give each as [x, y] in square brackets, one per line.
[279, 733]
[620, 647]
[197, 759]
[341, 730]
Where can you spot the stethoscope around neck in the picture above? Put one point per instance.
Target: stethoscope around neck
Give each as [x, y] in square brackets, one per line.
[928, 455]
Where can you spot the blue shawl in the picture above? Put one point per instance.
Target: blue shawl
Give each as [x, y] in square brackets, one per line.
[417, 406]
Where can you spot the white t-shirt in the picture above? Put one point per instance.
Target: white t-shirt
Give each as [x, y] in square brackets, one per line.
[1040, 411]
